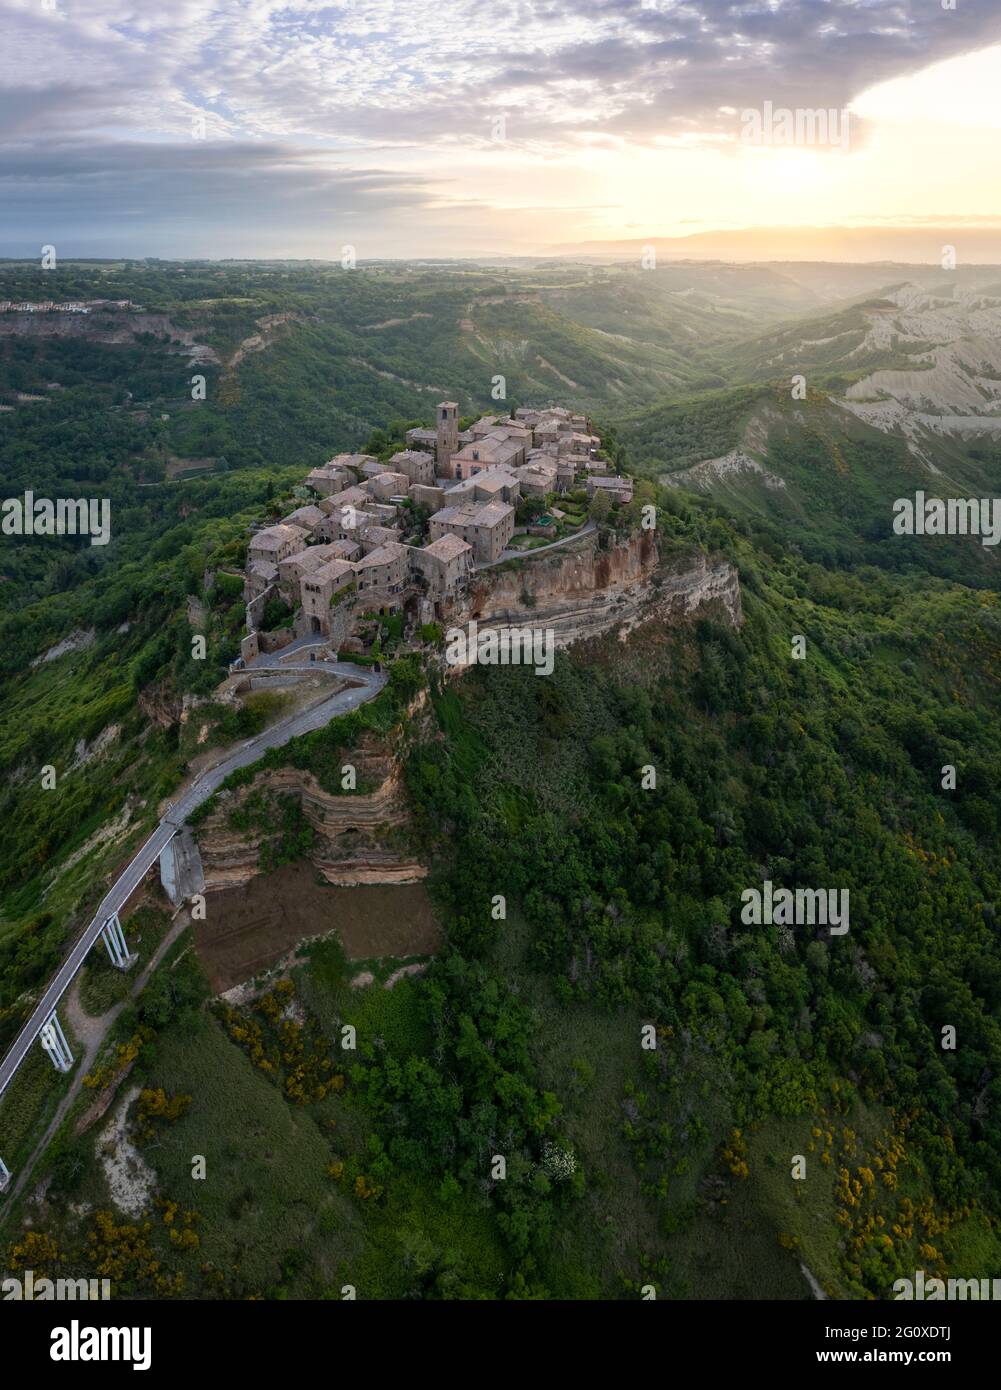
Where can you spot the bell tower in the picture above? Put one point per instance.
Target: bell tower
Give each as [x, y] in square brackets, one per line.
[448, 437]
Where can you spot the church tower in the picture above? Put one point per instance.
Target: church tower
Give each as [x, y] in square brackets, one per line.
[448, 437]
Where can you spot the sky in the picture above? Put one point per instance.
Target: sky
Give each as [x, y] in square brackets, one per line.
[427, 128]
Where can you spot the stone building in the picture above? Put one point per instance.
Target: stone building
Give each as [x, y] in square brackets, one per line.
[388, 485]
[572, 442]
[344, 550]
[353, 496]
[487, 528]
[329, 479]
[259, 576]
[422, 440]
[384, 569]
[375, 536]
[538, 479]
[490, 452]
[356, 462]
[492, 485]
[319, 589]
[276, 543]
[415, 463]
[431, 498]
[309, 519]
[617, 489]
[371, 468]
[445, 564]
[447, 438]
[292, 571]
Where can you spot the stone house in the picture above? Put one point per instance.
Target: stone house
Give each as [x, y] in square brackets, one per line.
[376, 536]
[259, 576]
[415, 463]
[311, 520]
[388, 485]
[320, 587]
[292, 571]
[381, 513]
[488, 528]
[349, 524]
[431, 498]
[617, 489]
[490, 452]
[276, 543]
[371, 468]
[566, 475]
[328, 479]
[344, 550]
[421, 441]
[492, 485]
[583, 464]
[384, 569]
[446, 565]
[353, 496]
[356, 462]
[572, 442]
[538, 479]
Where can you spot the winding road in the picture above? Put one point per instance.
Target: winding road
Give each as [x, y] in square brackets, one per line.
[366, 684]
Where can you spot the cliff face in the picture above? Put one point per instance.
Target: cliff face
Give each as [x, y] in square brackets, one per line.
[106, 327]
[159, 705]
[582, 592]
[360, 837]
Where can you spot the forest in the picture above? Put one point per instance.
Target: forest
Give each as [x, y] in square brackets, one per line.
[644, 1062]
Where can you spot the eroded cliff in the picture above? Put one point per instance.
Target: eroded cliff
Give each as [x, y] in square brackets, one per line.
[584, 591]
[360, 836]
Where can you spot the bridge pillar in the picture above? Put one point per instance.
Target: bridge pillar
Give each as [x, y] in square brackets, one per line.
[114, 939]
[4, 1176]
[181, 871]
[54, 1042]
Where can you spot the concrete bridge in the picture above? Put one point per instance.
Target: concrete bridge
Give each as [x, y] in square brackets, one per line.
[171, 843]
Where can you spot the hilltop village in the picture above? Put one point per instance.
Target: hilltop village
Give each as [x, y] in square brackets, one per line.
[407, 535]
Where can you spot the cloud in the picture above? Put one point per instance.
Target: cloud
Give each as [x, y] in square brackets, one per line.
[97, 97]
[380, 70]
[204, 198]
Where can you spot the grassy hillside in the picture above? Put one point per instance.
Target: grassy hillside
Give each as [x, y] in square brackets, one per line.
[624, 1164]
[623, 910]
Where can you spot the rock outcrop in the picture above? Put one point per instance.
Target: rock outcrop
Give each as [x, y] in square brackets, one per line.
[579, 592]
[583, 591]
[360, 836]
[107, 326]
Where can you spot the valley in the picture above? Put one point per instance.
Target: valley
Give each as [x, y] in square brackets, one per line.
[491, 884]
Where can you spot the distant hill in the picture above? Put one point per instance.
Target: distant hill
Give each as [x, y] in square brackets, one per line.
[912, 245]
[902, 392]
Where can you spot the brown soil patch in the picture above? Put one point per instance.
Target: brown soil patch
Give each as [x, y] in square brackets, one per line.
[248, 929]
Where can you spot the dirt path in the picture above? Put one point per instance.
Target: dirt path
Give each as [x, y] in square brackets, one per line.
[90, 1033]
